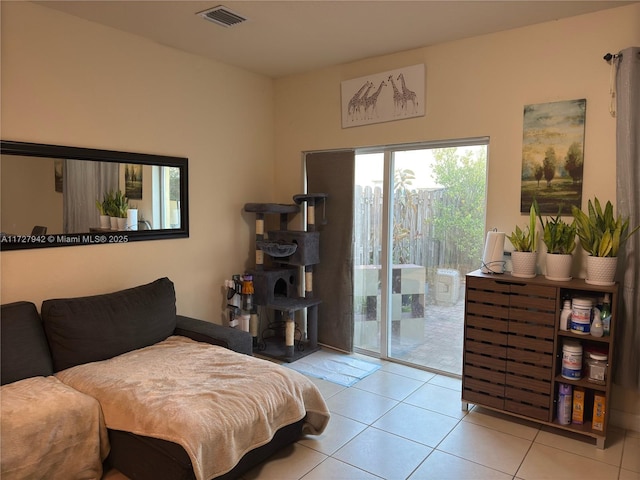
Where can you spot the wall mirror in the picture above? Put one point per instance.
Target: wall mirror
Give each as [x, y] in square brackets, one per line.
[54, 196]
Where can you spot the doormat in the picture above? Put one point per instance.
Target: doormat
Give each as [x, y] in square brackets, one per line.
[338, 368]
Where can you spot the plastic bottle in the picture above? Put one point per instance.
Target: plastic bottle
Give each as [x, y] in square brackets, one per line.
[565, 315]
[571, 360]
[605, 314]
[581, 315]
[247, 293]
[565, 399]
[596, 330]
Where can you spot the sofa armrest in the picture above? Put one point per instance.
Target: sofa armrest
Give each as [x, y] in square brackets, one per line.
[201, 331]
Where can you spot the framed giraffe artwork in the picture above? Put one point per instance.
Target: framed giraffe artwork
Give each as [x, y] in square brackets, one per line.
[383, 97]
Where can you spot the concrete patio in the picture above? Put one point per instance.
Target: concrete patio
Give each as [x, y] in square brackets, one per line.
[441, 348]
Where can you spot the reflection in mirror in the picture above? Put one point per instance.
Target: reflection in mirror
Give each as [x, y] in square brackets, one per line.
[64, 193]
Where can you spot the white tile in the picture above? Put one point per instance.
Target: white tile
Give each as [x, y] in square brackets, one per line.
[544, 462]
[290, 463]
[369, 359]
[335, 469]
[628, 475]
[417, 424]
[502, 423]
[388, 385]
[359, 405]
[437, 399]
[383, 454]
[631, 455]
[407, 371]
[447, 382]
[327, 389]
[485, 446]
[585, 446]
[338, 432]
[443, 466]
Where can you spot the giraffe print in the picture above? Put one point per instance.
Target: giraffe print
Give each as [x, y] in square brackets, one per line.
[371, 102]
[398, 98]
[407, 94]
[354, 103]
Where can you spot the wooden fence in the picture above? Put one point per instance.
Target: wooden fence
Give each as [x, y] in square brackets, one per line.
[414, 239]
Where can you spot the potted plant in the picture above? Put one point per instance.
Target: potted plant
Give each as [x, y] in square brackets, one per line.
[121, 205]
[110, 209]
[103, 209]
[601, 235]
[525, 255]
[560, 240]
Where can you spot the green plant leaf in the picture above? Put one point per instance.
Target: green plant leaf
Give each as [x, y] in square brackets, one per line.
[606, 244]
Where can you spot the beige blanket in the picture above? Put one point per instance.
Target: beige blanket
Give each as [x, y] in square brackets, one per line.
[216, 403]
[49, 430]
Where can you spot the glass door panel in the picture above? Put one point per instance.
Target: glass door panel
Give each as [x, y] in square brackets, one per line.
[367, 254]
[435, 231]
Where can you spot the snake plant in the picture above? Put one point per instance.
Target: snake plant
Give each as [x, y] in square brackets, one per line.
[526, 240]
[558, 235]
[600, 233]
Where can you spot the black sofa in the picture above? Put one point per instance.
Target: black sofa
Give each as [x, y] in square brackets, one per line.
[75, 331]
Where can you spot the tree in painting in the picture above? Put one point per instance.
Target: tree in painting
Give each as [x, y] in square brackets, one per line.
[549, 165]
[573, 162]
[552, 148]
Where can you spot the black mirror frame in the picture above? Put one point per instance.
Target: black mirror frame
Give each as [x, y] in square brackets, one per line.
[22, 242]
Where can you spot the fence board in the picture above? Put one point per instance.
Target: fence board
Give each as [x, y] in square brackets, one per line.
[414, 237]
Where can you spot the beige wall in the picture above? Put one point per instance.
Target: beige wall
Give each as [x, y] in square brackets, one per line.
[476, 87]
[71, 82]
[28, 195]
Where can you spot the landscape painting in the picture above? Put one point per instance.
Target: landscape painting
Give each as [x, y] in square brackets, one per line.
[133, 181]
[553, 156]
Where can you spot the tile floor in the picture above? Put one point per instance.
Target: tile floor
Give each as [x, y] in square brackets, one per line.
[404, 423]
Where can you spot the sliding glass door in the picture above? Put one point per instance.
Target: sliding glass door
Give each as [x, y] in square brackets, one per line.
[419, 227]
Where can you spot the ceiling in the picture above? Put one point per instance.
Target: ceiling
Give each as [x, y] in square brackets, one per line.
[288, 37]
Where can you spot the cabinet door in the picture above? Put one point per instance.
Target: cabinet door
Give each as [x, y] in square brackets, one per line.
[530, 347]
[485, 344]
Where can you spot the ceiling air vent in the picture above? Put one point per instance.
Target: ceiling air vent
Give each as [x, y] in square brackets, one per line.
[222, 16]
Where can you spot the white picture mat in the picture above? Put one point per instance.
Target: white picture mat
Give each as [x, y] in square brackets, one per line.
[384, 97]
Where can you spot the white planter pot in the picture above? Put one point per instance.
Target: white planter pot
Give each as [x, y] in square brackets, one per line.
[122, 223]
[601, 270]
[558, 267]
[524, 264]
[114, 223]
[105, 221]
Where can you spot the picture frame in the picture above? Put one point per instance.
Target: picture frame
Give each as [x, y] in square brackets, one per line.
[133, 181]
[553, 156]
[383, 97]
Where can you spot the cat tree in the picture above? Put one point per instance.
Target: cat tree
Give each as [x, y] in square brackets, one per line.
[277, 283]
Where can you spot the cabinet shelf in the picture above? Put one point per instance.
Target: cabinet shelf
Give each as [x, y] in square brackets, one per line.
[584, 429]
[581, 383]
[584, 338]
[505, 316]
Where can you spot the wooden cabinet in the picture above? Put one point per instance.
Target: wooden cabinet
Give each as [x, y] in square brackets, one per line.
[513, 347]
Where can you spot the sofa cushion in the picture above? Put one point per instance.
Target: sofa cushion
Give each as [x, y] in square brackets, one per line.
[23, 345]
[89, 329]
